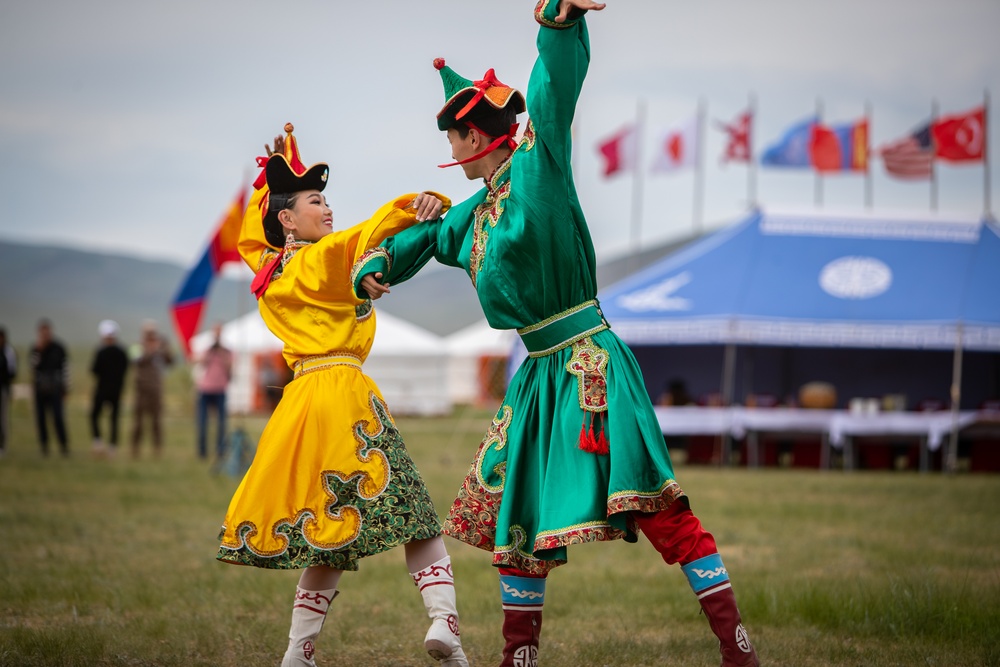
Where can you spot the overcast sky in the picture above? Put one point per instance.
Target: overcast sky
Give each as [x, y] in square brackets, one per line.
[129, 126]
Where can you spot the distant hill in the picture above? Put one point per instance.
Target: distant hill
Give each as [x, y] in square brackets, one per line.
[76, 289]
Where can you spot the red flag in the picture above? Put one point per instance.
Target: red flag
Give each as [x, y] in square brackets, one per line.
[738, 147]
[960, 138]
[618, 151]
[677, 147]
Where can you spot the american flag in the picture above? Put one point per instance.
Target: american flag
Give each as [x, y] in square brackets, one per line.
[911, 157]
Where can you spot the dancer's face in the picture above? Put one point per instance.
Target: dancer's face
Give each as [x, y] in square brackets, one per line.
[309, 219]
[466, 147]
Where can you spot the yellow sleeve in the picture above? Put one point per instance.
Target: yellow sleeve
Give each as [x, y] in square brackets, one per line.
[326, 267]
[252, 244]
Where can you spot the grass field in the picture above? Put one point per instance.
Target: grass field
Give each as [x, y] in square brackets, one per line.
[111, 563]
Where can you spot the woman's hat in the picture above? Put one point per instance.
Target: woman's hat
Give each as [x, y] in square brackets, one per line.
[285, 175]
[462, 95]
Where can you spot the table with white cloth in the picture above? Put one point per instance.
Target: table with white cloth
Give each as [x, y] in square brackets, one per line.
[834, 427]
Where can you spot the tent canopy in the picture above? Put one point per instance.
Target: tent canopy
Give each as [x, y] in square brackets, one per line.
[822, 280]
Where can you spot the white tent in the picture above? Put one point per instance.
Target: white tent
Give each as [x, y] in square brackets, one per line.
[468, 348]
[406, 362]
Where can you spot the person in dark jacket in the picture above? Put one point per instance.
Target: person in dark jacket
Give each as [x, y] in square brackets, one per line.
[109, 367]
[8, 370]
[50, 365]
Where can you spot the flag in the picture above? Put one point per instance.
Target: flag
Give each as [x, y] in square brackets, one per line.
[190, 299]
[960, 138]
[618, 151]
[911, 157]
[793, 149]
[677, 146]
[840, 147]
[738, 146]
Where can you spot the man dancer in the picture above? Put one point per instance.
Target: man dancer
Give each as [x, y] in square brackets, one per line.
[575, 453]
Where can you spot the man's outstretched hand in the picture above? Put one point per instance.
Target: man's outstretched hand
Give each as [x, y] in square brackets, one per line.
[566, 5]
[373, 287]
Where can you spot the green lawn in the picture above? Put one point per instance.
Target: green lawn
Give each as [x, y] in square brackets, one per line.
[112, 563]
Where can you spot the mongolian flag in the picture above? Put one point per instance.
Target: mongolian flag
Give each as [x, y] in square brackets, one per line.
[841, 147]
[190, 299]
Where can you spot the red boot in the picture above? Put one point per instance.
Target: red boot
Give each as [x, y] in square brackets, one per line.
[522, 599]
[520, 632]
[710, 581]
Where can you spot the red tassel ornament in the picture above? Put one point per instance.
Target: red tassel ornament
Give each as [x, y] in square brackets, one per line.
[588, 441]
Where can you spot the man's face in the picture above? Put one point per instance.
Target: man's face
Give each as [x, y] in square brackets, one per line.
[44, 335]
[461, 148]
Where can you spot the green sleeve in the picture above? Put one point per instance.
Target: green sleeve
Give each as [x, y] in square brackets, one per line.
[557, 78]
[400, 257]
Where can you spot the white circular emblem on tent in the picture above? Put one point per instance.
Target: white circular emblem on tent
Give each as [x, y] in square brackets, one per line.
[855, 277]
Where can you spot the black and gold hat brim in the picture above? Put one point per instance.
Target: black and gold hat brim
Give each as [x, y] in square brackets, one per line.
[446, 117]
[281, 179]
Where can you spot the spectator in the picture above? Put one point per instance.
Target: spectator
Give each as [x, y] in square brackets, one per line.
[675, 393]
[109, 367]
[8, 370]
[49, 362]
[151, 361]
[215, 370]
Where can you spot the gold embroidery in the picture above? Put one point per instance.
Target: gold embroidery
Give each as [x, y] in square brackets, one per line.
[320, 361]
[363, 310]
[589, 364]
[368, 256]
[558, 316]
[489, 211]
[528, 139]
[495, 439]
[540, 17]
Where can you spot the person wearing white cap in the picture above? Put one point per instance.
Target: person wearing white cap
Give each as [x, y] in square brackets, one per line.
[109, 367]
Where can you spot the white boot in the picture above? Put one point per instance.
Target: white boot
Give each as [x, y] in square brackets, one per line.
[437, 586]
[308, 614]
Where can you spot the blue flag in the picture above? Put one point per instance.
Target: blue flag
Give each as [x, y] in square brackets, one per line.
[793, 149]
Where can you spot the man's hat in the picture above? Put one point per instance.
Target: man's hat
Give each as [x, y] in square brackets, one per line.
[107, 328]
[463, 95]
[285, 175]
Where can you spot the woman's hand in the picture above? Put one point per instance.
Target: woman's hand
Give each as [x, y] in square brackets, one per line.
[427, 206]
[373, 287]
[279, 146]
[566, 5]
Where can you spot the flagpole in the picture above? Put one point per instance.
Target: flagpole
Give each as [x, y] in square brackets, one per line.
[987, 213]
[868, 163]
[819, 174]
[751, 163]
[637, 180]
[699, 168]
[934, 112]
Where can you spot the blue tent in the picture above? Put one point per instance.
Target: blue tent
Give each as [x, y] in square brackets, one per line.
[821, 280]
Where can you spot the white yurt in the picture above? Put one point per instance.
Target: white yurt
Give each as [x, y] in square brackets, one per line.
[407, 363]
[477, 360]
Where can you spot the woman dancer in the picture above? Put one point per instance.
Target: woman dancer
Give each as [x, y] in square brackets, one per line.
[331, 481]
